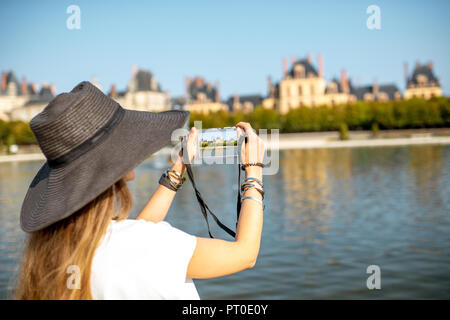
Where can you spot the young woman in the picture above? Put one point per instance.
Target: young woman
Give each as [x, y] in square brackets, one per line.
[81, 244]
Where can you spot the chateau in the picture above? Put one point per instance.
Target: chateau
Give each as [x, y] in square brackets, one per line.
[22, 101]
[143, 93]
[422, 83]
[304, 85]
[202, 96]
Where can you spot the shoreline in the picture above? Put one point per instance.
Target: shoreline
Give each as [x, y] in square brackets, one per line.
[318, 140]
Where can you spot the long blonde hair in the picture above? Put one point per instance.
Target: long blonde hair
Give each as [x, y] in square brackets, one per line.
[72, 241]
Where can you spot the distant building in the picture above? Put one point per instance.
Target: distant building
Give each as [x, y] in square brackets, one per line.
[143, 93]
[375, 92]
[339, 91]
[422, 83]
[178, 103]
[202, 96]
[22, 101]
[304, 85]
[246, 103]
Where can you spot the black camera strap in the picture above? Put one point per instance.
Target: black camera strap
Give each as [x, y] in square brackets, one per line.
[203, 206]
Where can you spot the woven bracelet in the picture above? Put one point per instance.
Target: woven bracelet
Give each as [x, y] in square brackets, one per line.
[256, 164]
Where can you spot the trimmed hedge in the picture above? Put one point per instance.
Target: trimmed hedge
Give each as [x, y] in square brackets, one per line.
[15, 132]
[403, 114]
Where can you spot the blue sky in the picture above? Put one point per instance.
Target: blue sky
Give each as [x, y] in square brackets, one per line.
[238, 43]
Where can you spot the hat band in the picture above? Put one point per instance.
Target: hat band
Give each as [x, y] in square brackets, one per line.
[89, 144]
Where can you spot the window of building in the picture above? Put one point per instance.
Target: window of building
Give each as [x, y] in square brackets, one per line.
[421, 80]
[299, 71]
[382, 96]
[312, 90]
[368, 97]
[300, 90]
[332, 88]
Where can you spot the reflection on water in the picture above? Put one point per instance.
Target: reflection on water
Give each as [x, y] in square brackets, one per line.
[330, 213]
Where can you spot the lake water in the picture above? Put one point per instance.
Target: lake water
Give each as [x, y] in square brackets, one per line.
[330, 213]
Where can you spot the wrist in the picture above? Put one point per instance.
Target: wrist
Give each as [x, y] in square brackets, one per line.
[253, 171]
[179, 166]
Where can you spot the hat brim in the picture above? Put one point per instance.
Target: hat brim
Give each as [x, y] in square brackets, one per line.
[56, 193]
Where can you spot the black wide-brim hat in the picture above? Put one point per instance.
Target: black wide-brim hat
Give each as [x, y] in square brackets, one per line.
[90, 143]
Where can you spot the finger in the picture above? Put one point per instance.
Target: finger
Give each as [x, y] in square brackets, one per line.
[245, 125]
[250, 132]
[193, 132]
[243, 148]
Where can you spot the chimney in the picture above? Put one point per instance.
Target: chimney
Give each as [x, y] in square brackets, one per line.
[35, 87]
[198, 82]
[217, 85]
[310, 58]
[236, 98]
[187, 85]
[3, 84]
[375, 88]
[285, 67]
[236, 104]
[133, 69]
[344, 82]
[24, 88]
[52, 89]
[292, 60]
[320, 62]
[430, 65]
[113, 92]
[269, 86]
[405, 72]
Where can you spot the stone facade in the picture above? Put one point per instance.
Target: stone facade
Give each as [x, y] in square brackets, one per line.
[422, 83]
[304, 85]
[22, 100]
[202, 96]
[143, 93]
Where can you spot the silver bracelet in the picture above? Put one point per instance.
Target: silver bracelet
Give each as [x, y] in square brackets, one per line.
[252, 185]
[253, 198]
[254, 179]
[175, 184]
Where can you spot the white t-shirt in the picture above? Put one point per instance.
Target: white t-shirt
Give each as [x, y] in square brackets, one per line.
[137, 259]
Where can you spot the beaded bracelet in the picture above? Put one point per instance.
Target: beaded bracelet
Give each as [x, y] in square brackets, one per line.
[257, 164]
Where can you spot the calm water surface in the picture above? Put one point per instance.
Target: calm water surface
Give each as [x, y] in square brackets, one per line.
[330, 213]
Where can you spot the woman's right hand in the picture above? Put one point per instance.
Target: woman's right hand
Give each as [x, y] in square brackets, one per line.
[253, 150]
